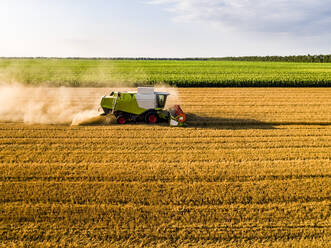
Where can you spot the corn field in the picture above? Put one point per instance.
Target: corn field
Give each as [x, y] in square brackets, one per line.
[80, 72]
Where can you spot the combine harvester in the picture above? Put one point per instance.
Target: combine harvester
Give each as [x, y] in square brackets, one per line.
[144, 105]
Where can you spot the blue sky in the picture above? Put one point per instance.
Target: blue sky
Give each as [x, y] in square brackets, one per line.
[164, 28]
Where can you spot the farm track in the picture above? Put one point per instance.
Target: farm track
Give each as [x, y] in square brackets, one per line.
[252, 170]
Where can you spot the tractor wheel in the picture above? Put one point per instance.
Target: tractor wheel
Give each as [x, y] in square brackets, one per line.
[121, 119]
[151, 118]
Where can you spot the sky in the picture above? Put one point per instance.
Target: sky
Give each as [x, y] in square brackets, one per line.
[164, 28]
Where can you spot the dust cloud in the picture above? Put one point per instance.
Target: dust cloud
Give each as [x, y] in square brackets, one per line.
[87, 117]
[42, 105]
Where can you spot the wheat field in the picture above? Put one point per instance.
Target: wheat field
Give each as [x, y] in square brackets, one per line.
[252, 169]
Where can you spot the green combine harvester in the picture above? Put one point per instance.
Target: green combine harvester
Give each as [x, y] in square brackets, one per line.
[145, 105]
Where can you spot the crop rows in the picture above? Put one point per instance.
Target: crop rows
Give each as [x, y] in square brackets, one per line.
[251, 180]
[178, 73]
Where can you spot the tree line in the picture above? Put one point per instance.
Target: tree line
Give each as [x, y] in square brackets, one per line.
[293, 58]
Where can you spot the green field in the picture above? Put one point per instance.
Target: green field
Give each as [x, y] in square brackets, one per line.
[84, 72]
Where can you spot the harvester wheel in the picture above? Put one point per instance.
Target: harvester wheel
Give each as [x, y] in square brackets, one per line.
[121, 119]
[151, 118]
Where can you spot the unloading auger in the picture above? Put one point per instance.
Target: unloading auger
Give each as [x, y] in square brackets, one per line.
[144, 105]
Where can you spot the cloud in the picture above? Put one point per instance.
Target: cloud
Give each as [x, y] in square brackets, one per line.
[303, 17]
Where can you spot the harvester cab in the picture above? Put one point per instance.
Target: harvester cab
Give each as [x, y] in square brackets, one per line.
[144, 105]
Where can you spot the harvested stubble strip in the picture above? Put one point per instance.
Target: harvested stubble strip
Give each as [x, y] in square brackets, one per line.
[240, 215]
[114, 133]
[319, 242]
[59, 142]
[174, 193]
[133, 156]
[92, 144]
[254, 221]
[207, 171]
[173, 233]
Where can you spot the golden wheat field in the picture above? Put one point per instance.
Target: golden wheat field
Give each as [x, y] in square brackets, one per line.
[252, 169]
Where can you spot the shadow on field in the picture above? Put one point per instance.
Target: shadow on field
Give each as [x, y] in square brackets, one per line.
[194, 120]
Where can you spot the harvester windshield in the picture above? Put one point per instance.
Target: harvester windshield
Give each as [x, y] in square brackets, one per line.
[161, 100]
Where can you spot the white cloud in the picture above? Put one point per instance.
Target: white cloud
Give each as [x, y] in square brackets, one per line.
[303, 17]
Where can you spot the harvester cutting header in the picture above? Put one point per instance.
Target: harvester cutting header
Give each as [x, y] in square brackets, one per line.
[144, 105]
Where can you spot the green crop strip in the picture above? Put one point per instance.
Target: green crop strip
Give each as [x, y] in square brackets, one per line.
[84, 72]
